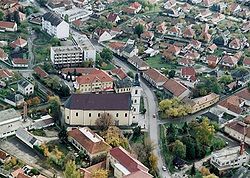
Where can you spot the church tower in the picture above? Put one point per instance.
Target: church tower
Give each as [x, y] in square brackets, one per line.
[136, 93]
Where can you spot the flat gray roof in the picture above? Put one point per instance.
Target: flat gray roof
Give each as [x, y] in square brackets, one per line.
[9, 114]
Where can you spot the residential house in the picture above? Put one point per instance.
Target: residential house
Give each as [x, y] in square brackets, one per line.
[123, 86]
[84, 109]
[88, 172]
[208, 3]
[235, 44]
[91, 143]
[119, 73]
[4, 157]
[124, 165]
[245, 95]
[198, 104]
[246, 62]
[238, 129]
[186, 62]
[229, 61]
[161, 28]
[195, 44]
[130, 51]
[193, 55]
[19, 42]
[217, 17]
[172, 12]
[173, 88]
[173, 49]
[117, 46]
[8, 26]
[154, 77]
[22, 16]
[103, 35]
[20, 62]
[136, 6]
[40, 72]
[232, 105]
[95, 81]
[113, 18]
[55, 26]
[195, 1]
[3, 55]
[138, 63]
[78, 24]
[211, 61]
[175, 31]
[188, 73]
[115, 31]
[169, 4]
[206, 37]
[211, 48]
[147, 36]
[229, 158]
[245, 27]
[189, 32]
[15, 100]
[44, 122]
[6, 74]
[27, 138]
[234, 8]
[186, 7]
[25, 87]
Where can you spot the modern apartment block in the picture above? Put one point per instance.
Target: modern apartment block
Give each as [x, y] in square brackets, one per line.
[73, 55]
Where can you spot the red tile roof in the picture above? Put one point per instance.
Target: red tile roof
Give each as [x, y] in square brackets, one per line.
[20, 61]
[21, 175]
[19, 42]
[246, 61]
[119, 72]
[116, 45]
[155, 75]
[91, 146]
[135, 5]
[95, 76]
[230, 59]
[189, 32]
[39, 71]
[188, 71]
[245, 94]
[3, 54]
[174, 87]
[4, 24]
[87, 172]
[232, 103]
[239, 127]
[3, 155]
[173, 49]
[130, 163]
[4, 73]
[112, 17]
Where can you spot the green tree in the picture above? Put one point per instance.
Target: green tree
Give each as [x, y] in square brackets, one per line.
[226, 79]
[106, 54]
[104, 121]
[193, 170]
[55, 107]
[99, 173]
[138, 30]
[190, 147]
[1, 15]
[172, 133]
[153, 161]
[171, 73]
[71, 171]
[204, 132]
[179, 149]
[17, 17]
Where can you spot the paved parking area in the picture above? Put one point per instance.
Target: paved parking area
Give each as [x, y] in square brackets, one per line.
[15, 147]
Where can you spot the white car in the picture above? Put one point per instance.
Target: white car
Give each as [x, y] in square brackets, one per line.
[164, 168]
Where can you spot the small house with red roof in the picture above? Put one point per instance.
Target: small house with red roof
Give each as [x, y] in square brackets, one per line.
[175, 31]
[147, 35]
[137, 6]
[19, 42]
[211, 60]
[124, 165]
[88, 141]
[119, 73]
[211, 48]
[186, 62]
[229, 61]
[6, 74]
[188, 32]
[40, 72]
[113, 17]
[246, 62]
[188, 73]
[3, 55]
[8, 26]
[20, 62]
[232, 105]
[154, 77]
[235, 44]
[161, 28]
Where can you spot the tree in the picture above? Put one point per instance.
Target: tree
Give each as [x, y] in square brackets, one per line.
[139, 30]
[190, 147]
[36, 101]
[171, 133]
[130, 74]
[153, 161]
[179, 149]
[171, 73]
[55, 107]
[99, 173]
[192, 171]
[1, 15]
[17, 17]
[204, 171]
[104, 121]
[204, 132]
[106, 54]
[71, 171]
[114, 137]
[226, 79]
[52, 82]
[55, 41]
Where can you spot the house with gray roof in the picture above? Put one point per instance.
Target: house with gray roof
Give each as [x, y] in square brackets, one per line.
[129, 51]
[55, 26]
[24, 87]
[27, 138]
[14, 99]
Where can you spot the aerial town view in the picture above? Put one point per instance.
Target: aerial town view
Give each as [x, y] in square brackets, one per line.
[124, 88]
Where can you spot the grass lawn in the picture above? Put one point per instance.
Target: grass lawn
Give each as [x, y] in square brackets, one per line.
[108, 67]
[39, 132]
[158, 63]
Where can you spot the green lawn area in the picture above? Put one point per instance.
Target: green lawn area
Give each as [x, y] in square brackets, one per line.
[108, 67]
[158, 63]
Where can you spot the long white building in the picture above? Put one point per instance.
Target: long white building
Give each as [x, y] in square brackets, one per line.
[81, 50]
[55, 26]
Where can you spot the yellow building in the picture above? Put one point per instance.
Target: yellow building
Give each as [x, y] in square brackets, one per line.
[200, 103]
[84, 109]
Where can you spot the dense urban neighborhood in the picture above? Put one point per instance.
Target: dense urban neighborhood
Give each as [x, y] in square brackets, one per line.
[124, 88]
